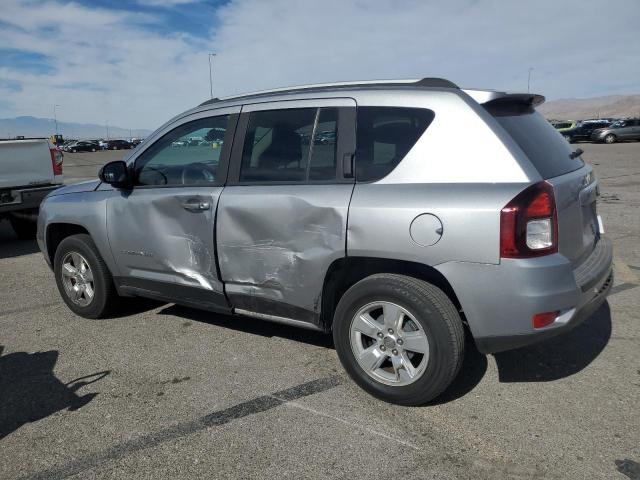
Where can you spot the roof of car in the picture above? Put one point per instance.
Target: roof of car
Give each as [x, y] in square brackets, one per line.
[419, 83]
[482, 96]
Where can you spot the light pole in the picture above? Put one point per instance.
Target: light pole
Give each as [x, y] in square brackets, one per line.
[529, 80]
[55, 117]
[106, 124]
[210, 75]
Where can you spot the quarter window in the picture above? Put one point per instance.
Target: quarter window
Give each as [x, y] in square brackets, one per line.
[294, 145]
[384, 136]
[187, 155]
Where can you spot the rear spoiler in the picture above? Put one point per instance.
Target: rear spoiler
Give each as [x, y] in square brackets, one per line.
[502, 103]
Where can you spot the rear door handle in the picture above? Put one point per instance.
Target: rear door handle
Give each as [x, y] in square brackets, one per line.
[196, 205]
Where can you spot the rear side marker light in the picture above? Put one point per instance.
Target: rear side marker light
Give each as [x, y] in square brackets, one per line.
[542, 320]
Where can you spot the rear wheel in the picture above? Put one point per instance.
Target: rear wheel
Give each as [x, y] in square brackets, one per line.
[610, 138]
[83, 279]
[399, 338]
[24, 229]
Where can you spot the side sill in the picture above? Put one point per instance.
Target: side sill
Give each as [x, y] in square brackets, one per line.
[277, 319]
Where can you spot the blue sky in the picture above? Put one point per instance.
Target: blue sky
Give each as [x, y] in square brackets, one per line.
[137, 63]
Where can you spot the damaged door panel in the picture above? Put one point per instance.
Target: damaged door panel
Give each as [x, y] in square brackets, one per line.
[282, 218]
[161, 231]
[276, 243]
[166, 236]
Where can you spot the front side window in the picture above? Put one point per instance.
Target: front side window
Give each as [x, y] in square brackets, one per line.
[293, 145]
[187, 155]
[384, 136]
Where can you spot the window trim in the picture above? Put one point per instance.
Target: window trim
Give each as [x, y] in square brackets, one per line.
[223, 162]
[346, 139]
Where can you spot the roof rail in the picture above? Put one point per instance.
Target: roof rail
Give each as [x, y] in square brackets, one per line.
[421, 82]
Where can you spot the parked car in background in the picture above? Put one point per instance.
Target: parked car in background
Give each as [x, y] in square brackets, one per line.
[583, 130]
[136, 141]
[83, 146]
[103, 144]
[618, 131]
[563, 126]
[510, 247]
[30, 169]
[118, 145]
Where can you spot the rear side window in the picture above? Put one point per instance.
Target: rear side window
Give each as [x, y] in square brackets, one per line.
[293, 145]
[384, 136]
[546, 148]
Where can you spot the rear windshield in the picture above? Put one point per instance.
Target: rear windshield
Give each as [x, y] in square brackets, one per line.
[546, 148]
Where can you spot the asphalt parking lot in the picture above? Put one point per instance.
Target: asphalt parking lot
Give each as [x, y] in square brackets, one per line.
[165, 391]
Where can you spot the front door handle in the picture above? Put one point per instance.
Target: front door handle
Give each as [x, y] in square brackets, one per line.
[196, 205]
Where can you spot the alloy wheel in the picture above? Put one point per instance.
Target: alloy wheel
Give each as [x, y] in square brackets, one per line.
[77, 279]
[389, 344]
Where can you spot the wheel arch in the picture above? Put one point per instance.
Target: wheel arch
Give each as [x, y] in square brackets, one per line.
[345, 272]
[56, 232]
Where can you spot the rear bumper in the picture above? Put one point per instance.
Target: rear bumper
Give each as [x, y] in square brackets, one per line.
[499, 301]
[509, 342]
[26, 198]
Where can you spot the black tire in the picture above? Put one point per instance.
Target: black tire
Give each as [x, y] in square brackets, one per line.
[610, 138]
[25, 229]
[105, 294]
[431, 308]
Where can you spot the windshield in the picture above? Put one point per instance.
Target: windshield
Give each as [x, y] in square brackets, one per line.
[549, 152]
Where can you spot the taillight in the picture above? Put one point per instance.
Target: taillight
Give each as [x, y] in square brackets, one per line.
[529, 223]
[56, 160]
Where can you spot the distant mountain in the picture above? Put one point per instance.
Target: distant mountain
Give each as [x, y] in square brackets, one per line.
[617, 106]
[45, 127]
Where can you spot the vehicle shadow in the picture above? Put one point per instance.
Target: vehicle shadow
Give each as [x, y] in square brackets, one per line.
[558, 357]
[550, 360]
[11, 246]
[251, 325]
[474, 366]
[29, 390]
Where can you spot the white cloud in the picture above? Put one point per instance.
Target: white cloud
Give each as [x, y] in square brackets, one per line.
[165, 3]
[111, 67]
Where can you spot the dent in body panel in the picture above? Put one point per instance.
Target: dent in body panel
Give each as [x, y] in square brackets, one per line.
[154, 237]
[279, 246]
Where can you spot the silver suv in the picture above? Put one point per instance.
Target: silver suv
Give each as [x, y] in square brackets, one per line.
[618, 131]
[400, 216]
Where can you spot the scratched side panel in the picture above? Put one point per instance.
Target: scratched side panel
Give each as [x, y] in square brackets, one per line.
[275, 243]
[154, 238]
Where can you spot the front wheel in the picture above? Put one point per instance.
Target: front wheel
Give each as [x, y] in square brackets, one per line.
[399, 338]
[83, 279]
[611, 138]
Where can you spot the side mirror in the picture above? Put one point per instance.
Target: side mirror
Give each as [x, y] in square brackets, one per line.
[116, 174]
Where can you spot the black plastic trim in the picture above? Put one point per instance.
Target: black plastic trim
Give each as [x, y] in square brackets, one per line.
[271, 307]
[171, 292]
